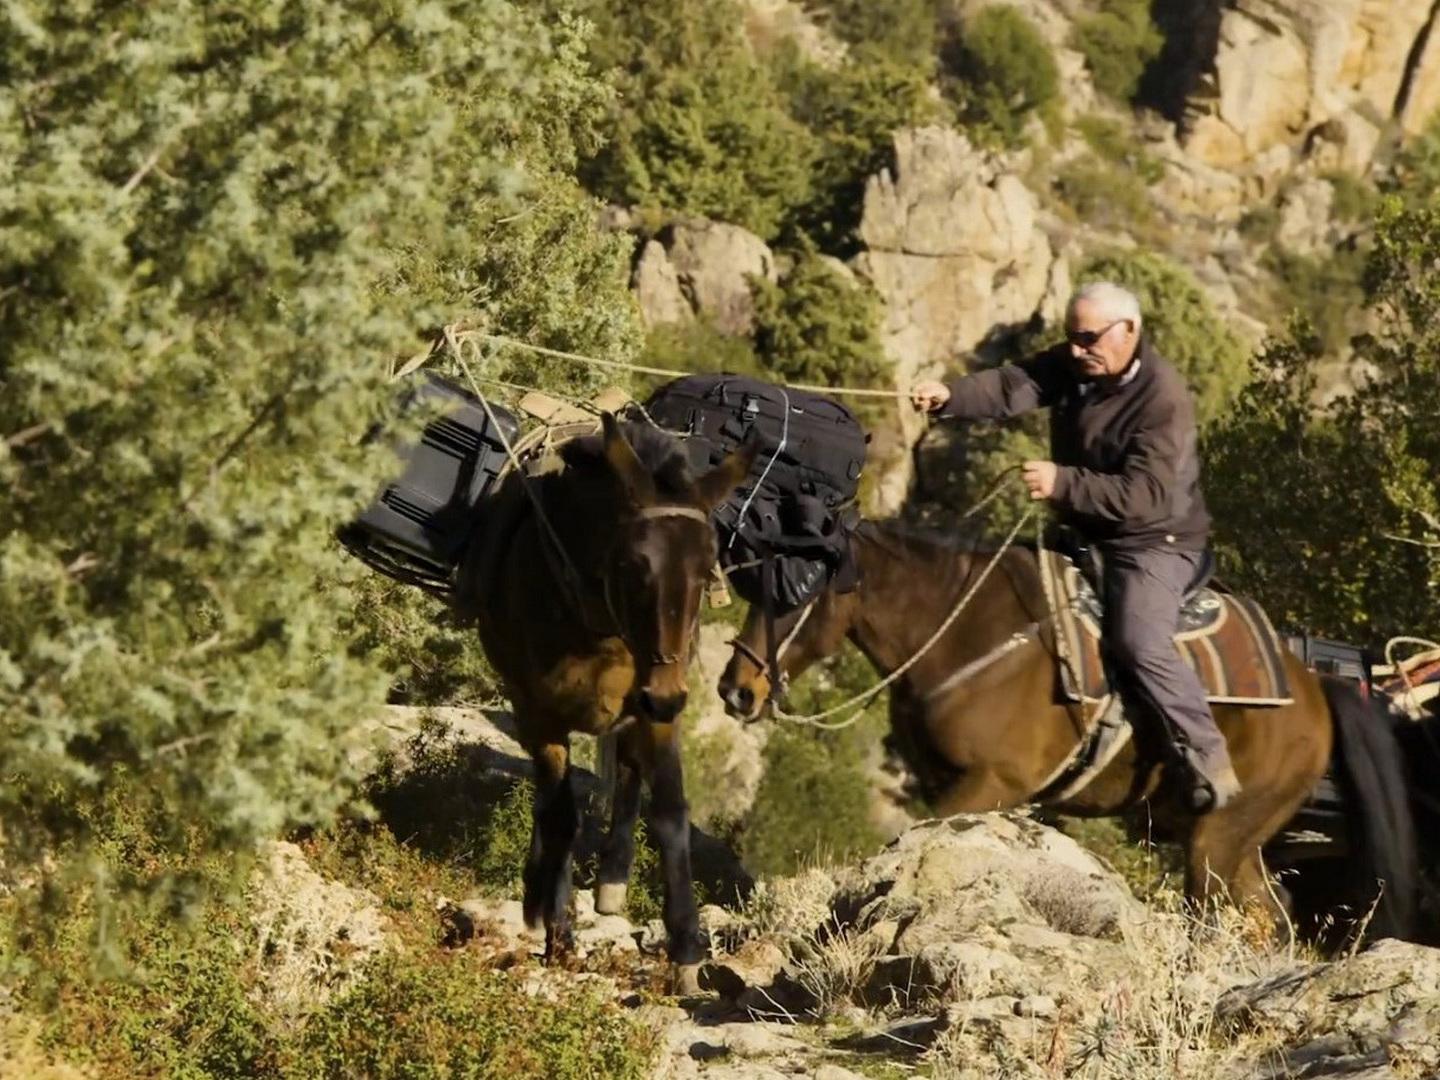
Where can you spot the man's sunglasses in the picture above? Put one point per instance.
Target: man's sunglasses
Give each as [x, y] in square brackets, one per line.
[1087, 338]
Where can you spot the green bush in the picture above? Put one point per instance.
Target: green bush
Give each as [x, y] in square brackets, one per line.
[701, 127]
[1000, 71]
[907, 31]
[1325, 289]
[813, 803]
[698, 346]
[818, 326]
[449, 1015]
[854, 112]
[1105, 196]
[224, 238]
[1118, 43]
[1116, 144]
[1355, 200]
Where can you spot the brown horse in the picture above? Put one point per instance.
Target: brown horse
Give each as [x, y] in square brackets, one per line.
[994, 736]
[587, 608]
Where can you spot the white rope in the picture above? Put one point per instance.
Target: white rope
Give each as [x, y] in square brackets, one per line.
[642, 369]
[860, 702]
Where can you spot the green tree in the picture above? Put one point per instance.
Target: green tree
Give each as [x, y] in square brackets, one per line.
[1118, 43]
[854, 112]
[818, 325]
[1000, 71]
[700, 127]
[907, 31]
[1331, 513]
[218, 230]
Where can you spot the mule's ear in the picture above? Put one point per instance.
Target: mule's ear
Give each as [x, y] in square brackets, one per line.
[715, 486]
[626, 464]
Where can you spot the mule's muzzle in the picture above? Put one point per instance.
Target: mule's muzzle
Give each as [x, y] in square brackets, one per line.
[739, 702]
[659, 706]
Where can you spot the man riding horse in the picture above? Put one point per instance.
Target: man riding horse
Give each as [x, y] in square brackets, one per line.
[1125, 476]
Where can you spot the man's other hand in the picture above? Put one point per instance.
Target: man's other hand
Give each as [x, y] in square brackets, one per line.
[929, 395]
[1039, 477]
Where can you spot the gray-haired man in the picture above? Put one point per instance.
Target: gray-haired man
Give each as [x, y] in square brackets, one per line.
[1126, 475]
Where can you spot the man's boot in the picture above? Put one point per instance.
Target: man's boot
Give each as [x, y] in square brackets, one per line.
[1213, 788]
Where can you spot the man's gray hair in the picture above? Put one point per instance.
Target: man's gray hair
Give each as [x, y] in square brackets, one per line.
[1114, 301]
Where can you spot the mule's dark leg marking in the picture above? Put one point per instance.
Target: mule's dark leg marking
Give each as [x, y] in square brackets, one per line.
[613, 874]
[670, 824]
[556, 820]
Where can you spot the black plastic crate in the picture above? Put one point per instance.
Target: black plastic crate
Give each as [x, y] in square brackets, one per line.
[417, 527]
[1332, 658]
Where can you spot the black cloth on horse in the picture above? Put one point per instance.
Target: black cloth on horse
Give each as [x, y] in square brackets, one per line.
[798, 505]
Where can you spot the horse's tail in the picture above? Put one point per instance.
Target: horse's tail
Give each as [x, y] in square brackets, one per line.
[1371, 772]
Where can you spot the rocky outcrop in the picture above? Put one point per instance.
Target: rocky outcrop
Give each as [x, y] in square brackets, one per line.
[702, 268]
[954, 248]
[1282, 68]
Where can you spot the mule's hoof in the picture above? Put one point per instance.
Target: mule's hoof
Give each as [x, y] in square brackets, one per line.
[610, 899]
[685, 980]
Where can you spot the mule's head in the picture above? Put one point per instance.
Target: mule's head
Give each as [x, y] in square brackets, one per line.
[664, 549]
[746, 683]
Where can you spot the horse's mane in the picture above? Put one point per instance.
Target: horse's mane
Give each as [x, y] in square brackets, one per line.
[661, 453]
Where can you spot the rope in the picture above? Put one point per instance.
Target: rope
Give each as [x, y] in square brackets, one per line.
[642, 369]
[860, 702]
[1399, 668]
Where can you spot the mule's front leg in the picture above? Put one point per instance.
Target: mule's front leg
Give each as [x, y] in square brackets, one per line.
[556, 820]
[613, 876]
[670, 822]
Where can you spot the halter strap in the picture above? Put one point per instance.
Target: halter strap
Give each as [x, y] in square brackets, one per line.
[672, 510]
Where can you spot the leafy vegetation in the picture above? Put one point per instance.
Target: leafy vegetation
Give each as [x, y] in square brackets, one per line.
[1000, 72]
[1118, 43]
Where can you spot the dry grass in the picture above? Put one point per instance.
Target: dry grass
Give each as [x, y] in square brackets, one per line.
[23, 1058]
[834, 963]
[1155, 1021]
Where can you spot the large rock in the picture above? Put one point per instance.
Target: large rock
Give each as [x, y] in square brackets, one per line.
[1282, 67]
[713, 264]
[657, 287]
[954, 248]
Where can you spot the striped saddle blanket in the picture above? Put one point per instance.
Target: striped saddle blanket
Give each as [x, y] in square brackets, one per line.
[1226, 639]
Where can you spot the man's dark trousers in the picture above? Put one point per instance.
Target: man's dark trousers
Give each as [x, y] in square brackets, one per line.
[1143, 592]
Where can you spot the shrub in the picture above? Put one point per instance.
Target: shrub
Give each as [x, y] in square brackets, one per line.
[1116, 144]
[818, 326]
[814, 798]
[904, 30]
[255, 214]
[1323, 288]
[1105, 196]
[853, 111]
[1118, 43]
[702, 128]
[448, 1014]
[1001, 71]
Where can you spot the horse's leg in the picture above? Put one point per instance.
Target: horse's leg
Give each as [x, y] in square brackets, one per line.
[613, 876]
[670, 824]
[552, 840]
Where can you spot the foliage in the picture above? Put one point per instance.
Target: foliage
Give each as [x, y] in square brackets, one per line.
[1339, 531]
[698, 346]
[818, 325]
[1118, 43]
[1108, 197]
[853, 111]
[703, 128]
[1323, 288]
[907, 31]
[449, 1015]
[814, 797]
[1115, 143]
[215, 241]
[1355, 201]
[1000, 70]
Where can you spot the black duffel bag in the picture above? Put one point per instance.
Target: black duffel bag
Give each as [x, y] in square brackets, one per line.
[797, 507]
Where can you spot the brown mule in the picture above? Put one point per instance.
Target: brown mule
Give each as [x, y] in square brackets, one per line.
[591, 630]
[995, 736]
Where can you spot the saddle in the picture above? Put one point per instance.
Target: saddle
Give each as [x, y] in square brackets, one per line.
[1226, 638]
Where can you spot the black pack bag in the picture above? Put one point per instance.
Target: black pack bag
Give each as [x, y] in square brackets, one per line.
[416, 529]
[798, 504]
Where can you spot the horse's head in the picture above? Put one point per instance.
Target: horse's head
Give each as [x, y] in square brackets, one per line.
[663, 552]
[802, 636]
